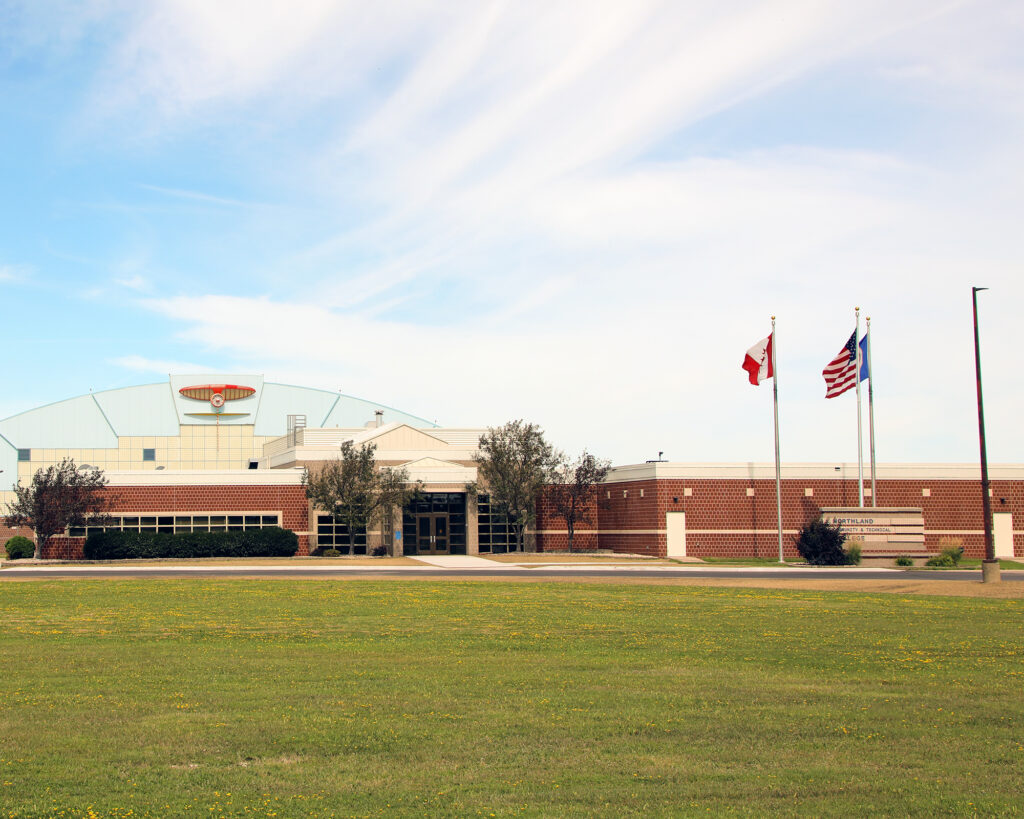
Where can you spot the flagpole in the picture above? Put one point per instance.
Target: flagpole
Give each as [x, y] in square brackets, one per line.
[871, 413]
[778, 469]
[860, 434]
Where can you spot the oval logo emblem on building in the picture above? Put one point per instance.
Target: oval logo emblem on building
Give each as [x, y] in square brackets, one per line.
[217, 394]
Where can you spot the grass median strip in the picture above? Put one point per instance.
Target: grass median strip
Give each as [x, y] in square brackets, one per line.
[312, 698]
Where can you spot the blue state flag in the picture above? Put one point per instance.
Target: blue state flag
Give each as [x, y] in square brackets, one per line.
[864, 359]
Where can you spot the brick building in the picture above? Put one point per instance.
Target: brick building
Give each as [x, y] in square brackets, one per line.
[729, 510]
[203, 453]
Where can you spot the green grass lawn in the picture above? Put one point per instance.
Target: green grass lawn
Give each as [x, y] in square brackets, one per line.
[1004, 563]
[318, 698]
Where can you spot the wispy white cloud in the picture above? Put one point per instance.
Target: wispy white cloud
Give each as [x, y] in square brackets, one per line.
[524, 192]
[138, 363]
[14, 272]
[135, 282]
[199, 196]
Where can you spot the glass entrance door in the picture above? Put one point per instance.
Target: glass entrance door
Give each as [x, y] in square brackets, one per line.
[435, 523]
[432, 534]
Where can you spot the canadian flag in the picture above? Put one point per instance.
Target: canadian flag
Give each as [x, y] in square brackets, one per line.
[758, 361]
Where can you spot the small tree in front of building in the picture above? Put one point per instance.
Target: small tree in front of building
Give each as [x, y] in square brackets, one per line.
[514, 463]
[572, 489]
[355, 491]
[59, 496]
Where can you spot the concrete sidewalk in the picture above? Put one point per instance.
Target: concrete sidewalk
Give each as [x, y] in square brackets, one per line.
[458, 561]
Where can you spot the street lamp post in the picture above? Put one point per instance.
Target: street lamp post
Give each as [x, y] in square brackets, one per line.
[989, 566]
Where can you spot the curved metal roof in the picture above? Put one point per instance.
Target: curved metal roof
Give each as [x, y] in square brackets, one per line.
[97, 420]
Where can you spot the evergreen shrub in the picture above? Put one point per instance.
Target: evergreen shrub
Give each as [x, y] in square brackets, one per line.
[272, 541]
[19, 547]
[821, 544]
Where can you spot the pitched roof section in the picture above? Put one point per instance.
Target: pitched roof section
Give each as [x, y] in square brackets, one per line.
[77, 423]
[142, 410]
[399, 436]
[432, 463]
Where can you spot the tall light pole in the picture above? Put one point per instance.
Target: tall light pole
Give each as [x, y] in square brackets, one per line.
[989, 566]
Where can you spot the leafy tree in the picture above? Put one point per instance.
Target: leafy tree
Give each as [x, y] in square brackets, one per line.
[572, 489]
[59, 496]
[514, 463]
[355, 491]
[821, 544]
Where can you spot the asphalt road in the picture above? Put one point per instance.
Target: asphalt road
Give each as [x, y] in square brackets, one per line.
[567, 572]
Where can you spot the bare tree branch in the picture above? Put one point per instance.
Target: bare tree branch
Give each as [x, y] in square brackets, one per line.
[572, 489]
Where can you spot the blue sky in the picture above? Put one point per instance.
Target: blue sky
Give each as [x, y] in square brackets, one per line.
[577, 213]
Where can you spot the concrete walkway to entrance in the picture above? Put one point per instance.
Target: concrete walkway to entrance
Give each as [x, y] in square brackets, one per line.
[457, 561]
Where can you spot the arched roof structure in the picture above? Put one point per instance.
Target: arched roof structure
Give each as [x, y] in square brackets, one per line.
[97, 420]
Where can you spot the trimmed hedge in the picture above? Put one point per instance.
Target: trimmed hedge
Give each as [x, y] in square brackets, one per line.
[19, 547]
[272, 541]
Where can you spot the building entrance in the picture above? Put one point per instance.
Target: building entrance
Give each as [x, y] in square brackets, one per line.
[435, 524]
[432, 534]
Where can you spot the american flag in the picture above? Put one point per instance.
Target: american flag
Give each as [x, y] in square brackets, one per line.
[841, 372]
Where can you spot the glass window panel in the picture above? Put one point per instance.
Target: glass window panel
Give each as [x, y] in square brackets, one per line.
[129, 522]
[217, 520]
[184, 521]
[234, 520]
[270, 520]
[200, 520]
[147, 521]
[166, 530]
[165, 521]
[252, 520]
[76, 531]
[236, 528]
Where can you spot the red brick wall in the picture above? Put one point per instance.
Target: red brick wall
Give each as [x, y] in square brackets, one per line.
[7, 533]
[723, 521]
[551, 528]
[289, 501]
